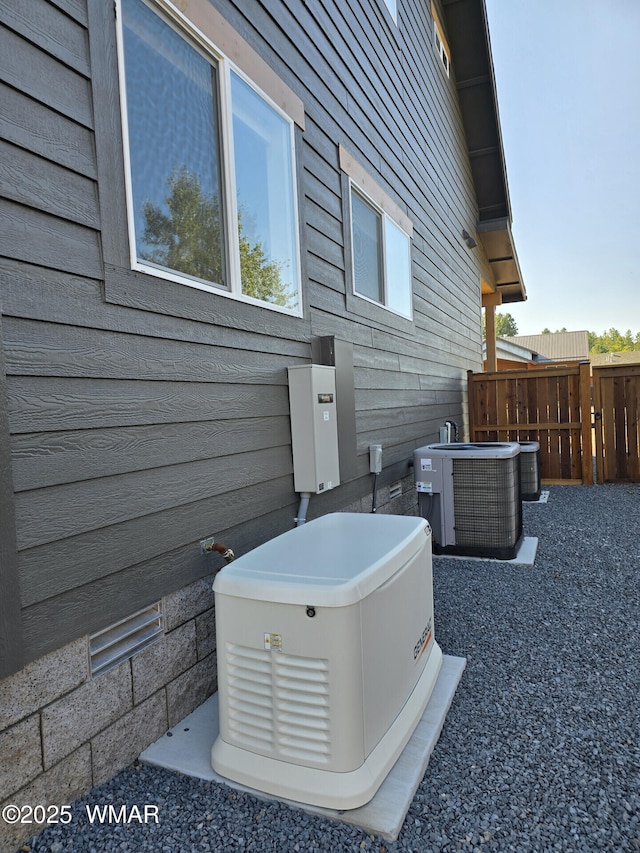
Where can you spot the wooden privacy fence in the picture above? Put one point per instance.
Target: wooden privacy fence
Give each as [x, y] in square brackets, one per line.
[551, 405]
[617, 406]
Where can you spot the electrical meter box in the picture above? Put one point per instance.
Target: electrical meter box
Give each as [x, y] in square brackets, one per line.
[314, 428]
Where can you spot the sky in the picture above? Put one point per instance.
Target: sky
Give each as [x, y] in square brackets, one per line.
[568, 83]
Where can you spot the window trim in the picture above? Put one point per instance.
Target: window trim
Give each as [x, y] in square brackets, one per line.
[271, 90]
[363, 180]
[12, 655]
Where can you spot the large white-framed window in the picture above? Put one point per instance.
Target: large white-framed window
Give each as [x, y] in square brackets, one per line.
[210, 164]
[380, 243]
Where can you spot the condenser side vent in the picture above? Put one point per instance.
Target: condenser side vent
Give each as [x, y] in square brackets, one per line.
[530, 473]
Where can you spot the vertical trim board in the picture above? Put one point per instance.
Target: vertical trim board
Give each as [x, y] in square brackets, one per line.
[11, 649]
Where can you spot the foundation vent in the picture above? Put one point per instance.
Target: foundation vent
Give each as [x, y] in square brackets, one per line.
[395, 490]
[109, 647]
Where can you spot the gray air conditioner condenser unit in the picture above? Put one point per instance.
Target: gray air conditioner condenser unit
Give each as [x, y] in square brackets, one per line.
[470, 494]
[530, 470]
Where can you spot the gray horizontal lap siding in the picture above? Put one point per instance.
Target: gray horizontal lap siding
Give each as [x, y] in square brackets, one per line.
[146, 415]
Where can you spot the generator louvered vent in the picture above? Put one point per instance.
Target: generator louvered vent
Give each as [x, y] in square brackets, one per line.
[279, 704]
[486, 499]
[111, 646]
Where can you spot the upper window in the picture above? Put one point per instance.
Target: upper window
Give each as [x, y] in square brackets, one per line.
[441, 47]
[440, 41]
[381, 256]
[211, 168]
[392, 6]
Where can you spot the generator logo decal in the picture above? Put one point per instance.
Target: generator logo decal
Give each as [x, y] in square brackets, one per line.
[423, 642]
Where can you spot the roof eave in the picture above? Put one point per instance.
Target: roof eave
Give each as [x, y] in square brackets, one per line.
[500, 250]
[472, 64]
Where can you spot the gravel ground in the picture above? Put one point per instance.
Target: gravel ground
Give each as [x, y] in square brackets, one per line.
[541, 748]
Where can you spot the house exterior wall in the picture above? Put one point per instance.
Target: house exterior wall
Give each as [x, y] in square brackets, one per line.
[138, 415]
[63, 732]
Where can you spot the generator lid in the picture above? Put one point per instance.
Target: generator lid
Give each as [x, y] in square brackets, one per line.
[471, 450]
[333, 561]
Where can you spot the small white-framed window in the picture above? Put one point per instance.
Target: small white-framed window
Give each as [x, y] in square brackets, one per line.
[440, 41]
[392, 6]
[441, 47]
[210, 159]
[381, 256]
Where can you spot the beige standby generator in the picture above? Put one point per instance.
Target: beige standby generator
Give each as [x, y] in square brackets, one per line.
[326, 657]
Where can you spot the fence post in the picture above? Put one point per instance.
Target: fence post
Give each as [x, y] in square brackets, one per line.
[585, 414]
[471, 405]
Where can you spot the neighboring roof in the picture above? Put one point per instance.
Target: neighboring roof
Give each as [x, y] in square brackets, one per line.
[507, 349]
[515, 352]
[468, 37]
[556, 346]
[599, 359]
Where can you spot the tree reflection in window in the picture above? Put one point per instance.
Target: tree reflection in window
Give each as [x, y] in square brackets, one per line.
[186, 238]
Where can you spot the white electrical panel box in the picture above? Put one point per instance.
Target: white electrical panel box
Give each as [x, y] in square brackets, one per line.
[314, 428]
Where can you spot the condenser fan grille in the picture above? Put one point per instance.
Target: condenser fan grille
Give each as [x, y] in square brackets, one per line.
[487, 507]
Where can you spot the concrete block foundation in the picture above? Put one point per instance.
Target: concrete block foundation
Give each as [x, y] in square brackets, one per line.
[63, 732]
